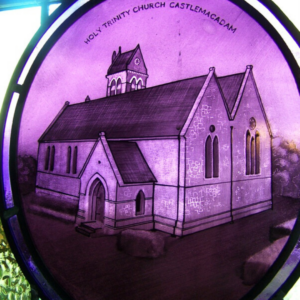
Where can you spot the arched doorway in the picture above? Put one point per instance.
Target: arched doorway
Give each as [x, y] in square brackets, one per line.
[97, 201]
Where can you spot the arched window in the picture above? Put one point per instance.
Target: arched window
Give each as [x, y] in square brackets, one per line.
[133, 85]
[252, 156]
[208, 157]
[257, 153]
[216, 157]
[113, 88]
[139, 85]
[119, 86]
[52, 158]
[47, 158]
[140, 203]
[248, 138]
[69, 160]
[74, 165]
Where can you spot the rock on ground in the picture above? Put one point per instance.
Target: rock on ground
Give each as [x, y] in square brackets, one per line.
[141, 243]
[281, 230]
[257, 265]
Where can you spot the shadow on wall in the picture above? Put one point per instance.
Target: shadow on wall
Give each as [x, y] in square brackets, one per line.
[286, 168]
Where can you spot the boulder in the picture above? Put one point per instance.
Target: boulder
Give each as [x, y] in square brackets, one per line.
[281, 230]
[257, 265]
[141, 243]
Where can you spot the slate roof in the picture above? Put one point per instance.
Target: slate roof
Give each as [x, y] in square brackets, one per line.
[121, 62]
[131, 163]
[230, 86]
[153, 112]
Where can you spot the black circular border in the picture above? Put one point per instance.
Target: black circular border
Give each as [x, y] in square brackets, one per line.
[23, 91]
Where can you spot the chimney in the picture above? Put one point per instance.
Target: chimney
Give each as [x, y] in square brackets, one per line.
[114, 55]
[120, 50]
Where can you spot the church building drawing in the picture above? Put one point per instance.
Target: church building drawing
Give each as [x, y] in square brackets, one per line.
[179, 157]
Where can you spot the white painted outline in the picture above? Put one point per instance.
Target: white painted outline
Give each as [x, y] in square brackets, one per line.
[6, 151]
[137, 84]
[110, 84]
[46, 37]
[289, 41]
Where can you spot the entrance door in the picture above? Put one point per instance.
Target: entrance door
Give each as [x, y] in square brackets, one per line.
[97, 201]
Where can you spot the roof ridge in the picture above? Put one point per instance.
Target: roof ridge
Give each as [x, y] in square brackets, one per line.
[127, 51]
[147, 88]
[122, 58]
[132, 55]
[119, 54]
[223, 97]
[241, 90]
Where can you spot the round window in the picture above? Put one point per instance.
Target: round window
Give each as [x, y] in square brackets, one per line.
[252, 123]
[212, 128]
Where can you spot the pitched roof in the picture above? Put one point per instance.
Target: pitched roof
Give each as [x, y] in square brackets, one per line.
[230, 86]
[153, 112]
[131, 163]
[121, 62]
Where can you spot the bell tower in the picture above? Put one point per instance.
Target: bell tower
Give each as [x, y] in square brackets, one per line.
[127, 72]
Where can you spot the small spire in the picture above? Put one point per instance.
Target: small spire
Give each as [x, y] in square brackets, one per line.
[87, 99]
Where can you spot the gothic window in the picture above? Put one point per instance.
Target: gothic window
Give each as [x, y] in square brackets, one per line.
[257, 153]
[140, 203]
[252, 156]
[252, 153]
[74, 164]
[216, 157]
[52, 158]
[69, 160]
[47, 158]
[113, 88]
[139, 85]
[119, 86]
[248, 138]
[133, 85]
[208, 157]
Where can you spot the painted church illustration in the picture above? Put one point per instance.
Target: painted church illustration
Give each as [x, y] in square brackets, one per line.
[179, 157]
